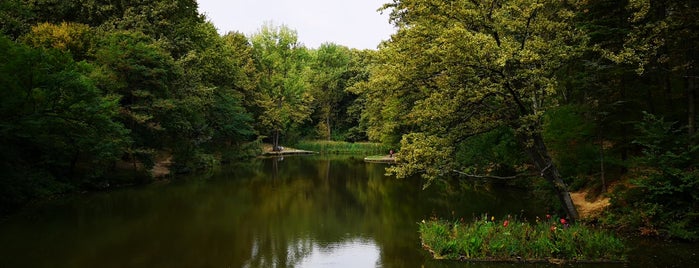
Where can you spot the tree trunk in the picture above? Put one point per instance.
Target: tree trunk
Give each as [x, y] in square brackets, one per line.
[327, 122]
[275, 141]
[624, 150]
[537, 151]
[74, 163]
[601, 163]
[691, 108]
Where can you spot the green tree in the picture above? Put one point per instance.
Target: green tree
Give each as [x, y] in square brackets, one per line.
[173, 22]
[14, 18]
[75, 38]
[385, 110]
[282, 94]
[209, 116]
[358, 72]
[655, 41]
[136, 68]
[329, 80]
[58, 129]
[463, 68]
[663, 197]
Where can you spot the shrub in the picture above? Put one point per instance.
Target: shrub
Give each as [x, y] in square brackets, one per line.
[662, 197]
[511, 239]
[341, 147]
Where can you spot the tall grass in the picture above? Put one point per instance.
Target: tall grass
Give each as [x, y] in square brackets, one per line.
[341, 147]
[519, 241]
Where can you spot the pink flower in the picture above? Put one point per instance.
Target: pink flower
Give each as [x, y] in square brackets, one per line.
[505, 223]
[563, 221]
[548, 216]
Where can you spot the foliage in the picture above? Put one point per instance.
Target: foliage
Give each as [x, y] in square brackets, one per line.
[109, 85]
[209, 117]
[329, 68]
[663, 196]
[496, 153]
[71, 37]
[54, 118]
[456, 70]
[341, 147]
[570, 137]
[13, 18]
[514, 240]
[494, 88]
[359, 114]
[137, 68]
[425, 154]
[282, 94]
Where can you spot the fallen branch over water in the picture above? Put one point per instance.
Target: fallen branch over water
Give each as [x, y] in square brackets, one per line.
[485, 176]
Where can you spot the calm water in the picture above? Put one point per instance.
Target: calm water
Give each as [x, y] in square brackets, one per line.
[291, 212]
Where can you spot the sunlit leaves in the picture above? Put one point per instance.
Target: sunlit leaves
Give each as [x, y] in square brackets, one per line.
[71, 37]
[328, 79]
[282, 92]
[459, 68]
[428, 155]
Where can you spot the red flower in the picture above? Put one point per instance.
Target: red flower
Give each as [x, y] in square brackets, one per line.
[505, 223]
[563, 221]
[548, 216]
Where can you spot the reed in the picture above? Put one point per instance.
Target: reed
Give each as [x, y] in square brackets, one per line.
[514, 240]
[341, 147]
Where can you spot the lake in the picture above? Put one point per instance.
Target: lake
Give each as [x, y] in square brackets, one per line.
[302, 211]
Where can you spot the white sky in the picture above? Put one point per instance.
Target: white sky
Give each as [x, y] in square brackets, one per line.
[352, 23]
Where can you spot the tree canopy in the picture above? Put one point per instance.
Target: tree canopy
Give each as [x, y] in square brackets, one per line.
[467, 68]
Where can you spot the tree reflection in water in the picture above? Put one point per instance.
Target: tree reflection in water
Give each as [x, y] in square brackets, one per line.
[302, 212]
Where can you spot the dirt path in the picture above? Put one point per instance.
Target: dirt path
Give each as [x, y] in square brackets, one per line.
[588, 208]
[162, 167]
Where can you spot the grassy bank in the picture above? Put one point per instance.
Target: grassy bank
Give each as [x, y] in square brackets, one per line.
[341, 147]
[513, 240]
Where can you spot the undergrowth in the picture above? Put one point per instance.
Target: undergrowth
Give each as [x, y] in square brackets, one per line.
[514, 240]
[341, 147]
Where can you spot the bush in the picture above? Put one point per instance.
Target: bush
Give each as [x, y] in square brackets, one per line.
[341, 147]
[662, 197]
[510, 239]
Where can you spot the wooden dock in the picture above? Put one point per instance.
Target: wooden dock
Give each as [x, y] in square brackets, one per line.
[380, 159]
[288, 152]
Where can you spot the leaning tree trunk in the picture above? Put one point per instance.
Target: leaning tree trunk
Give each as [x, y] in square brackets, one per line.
[537, 151]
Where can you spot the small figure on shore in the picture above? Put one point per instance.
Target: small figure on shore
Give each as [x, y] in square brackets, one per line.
[390, 153]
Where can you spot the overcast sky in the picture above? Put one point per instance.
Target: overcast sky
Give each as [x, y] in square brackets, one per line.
[353, 23]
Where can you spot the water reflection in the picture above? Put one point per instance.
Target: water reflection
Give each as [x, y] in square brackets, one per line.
[349, 253]
[299, 212]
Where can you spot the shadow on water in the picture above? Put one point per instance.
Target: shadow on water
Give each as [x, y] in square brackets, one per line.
[280, 212]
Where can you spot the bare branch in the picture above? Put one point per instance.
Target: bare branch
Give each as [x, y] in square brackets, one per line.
[485, 176]
[547, 167]
[526, 31]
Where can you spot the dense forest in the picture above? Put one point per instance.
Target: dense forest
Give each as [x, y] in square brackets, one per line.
[548, 95]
